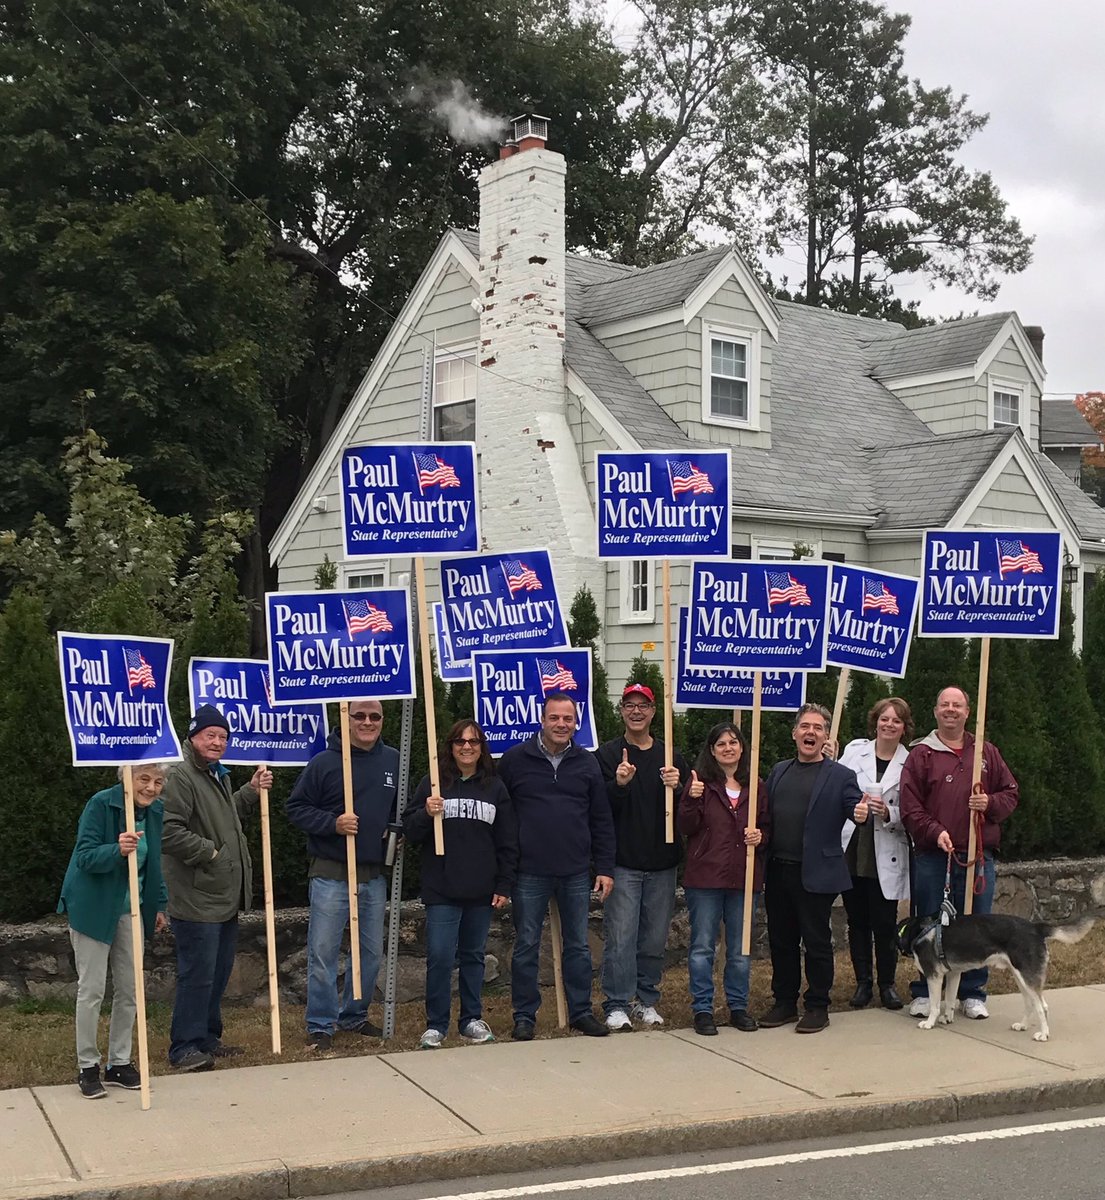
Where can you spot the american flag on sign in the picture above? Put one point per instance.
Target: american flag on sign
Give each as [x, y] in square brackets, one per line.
[1016, 556]
[878, 596]
[555, 676]
[266, 679]
[686, 477]
[782, 586]
[519, 577]
[361, 615]
[432, 472]
[139, 672]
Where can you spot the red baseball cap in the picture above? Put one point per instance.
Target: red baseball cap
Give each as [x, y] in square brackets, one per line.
[641, 690]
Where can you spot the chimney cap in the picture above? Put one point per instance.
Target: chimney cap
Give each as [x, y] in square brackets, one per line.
[530, 127]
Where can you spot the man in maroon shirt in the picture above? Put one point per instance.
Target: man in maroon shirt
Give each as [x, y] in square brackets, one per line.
[937, 808]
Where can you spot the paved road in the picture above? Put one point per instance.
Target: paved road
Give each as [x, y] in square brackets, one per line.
[1054, 1155]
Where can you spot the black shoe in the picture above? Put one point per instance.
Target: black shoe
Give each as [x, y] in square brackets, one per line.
[88, 1080]
[523, 1031]
[589, 1025]
[864, 995]
[125, 1076]
[193, 1060]
[741, 1019]
[813, 1021]
[320, 1042]
[890, 998]
[704, 1024]
[778, 1014]
[367, 1029]
[221, 1050]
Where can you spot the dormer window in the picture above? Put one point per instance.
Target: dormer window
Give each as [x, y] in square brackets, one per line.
[730, 376]
[1009, 405]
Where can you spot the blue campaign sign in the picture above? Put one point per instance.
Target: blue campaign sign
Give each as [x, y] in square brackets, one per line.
[663, 504]
[260, 731]
[340, 645]
[780, 691]
[448, 669]
[502, 601]
[114, 689]
[409, 499]
[871, 617]
[759, 616]
[510, 687]
[982, 583]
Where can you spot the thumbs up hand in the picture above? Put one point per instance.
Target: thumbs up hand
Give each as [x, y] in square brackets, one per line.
[625, 772]
[696, 787]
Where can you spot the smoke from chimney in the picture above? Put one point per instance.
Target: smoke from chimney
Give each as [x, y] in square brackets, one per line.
[453, 106]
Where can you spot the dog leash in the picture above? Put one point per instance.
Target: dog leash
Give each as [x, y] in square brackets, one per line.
[979, 859]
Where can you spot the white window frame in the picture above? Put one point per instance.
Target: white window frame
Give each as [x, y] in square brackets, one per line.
[775, 549]
[370, 566]
[627, 613]
[750, 339]
[1024, 398]
[444, 354]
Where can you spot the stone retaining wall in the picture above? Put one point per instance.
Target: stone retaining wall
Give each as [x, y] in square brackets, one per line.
[36, 960]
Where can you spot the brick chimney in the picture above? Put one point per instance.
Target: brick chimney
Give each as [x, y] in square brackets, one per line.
[1035, 335]
[533, 489]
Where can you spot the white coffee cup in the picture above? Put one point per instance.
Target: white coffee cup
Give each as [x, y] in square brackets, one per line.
[874, 789]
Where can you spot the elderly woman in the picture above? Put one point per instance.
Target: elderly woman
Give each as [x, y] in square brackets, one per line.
[96, 897]
[877, 851]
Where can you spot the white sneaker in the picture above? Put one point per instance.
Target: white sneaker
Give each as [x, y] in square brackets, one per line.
[975, 1009]
[919, 1007]
[431, 1040]
[477, 1031]
[618, 1021]
[647, 1015]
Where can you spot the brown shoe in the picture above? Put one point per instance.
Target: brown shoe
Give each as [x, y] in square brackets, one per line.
[778, 1014]
[813, 1021]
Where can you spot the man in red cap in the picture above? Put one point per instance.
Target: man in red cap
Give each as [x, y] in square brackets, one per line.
[638, 911]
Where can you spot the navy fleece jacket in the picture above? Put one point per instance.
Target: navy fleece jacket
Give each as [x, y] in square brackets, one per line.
[564, 819]
[317, 800]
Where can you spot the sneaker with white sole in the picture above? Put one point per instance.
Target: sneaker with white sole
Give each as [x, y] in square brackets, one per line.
[919, 1007]
[646, 1014]
[975, 1009]
[477, 1031]
[431, 1039]
[618, 1021]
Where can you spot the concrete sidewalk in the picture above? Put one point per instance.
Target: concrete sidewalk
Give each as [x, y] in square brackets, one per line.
[308, 1129]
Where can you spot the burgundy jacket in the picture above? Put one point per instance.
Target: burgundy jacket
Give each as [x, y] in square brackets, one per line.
[716, 853]
[936, 786]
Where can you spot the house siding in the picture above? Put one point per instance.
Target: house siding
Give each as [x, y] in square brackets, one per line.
[955, 407]
[1009, 365]
[1011, 502]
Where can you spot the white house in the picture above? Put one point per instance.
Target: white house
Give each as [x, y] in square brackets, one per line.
[849, 435]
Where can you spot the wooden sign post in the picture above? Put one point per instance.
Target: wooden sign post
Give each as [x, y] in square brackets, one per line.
[556, 941]
[753, 797]
[270, 922]
[838, 708]
[137, 940]
[669, 692]
[976, 774]
[428, 698]
[351, 855]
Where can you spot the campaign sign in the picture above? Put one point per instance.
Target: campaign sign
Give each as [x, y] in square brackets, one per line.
[661, 504]
[260, 732]
[114, 689]
[510, 687]
[780, 691]
[416, 499]
[759, 616]
[340, 645]
[501, 601]
[448, 669]
[982, 583]
[870, 619]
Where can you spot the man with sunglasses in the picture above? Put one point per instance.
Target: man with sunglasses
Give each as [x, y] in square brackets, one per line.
[638, 914]
[317, 806]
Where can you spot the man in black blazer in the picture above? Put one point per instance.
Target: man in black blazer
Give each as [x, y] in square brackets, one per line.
[811, 797]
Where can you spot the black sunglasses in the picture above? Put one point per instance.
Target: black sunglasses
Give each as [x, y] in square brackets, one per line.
[371, 718]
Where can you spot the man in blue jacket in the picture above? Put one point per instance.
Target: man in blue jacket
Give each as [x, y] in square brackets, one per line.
[564, 825]
[317, 806]
[811, 797]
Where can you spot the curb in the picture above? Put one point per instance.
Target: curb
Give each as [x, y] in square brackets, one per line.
[284, 1183]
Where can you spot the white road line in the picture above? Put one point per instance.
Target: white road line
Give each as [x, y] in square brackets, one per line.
[780, 1160]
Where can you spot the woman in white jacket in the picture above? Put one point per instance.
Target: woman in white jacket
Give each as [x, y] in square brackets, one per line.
[877, 851]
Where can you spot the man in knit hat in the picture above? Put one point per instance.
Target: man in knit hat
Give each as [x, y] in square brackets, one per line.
[206, 864]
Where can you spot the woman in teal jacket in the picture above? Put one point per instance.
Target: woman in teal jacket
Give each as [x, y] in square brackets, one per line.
[96, 898]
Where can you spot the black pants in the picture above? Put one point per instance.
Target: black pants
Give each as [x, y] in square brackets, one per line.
[871, 915]
[796, 917]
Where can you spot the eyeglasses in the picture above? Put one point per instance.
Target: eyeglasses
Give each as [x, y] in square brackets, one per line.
[371, 718]
[636, 707]
[467, 741]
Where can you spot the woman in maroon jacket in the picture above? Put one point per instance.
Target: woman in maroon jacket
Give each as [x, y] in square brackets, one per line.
[713, 815]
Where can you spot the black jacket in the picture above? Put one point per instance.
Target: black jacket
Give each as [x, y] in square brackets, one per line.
[639, 825]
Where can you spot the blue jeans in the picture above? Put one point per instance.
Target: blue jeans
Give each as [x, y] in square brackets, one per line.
[530, 902]
[708, 908]
[328, 922]
[455, 933]
[204, 959]
[928, 895]
[636, 919]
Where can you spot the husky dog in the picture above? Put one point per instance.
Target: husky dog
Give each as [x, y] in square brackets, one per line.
[986, 940]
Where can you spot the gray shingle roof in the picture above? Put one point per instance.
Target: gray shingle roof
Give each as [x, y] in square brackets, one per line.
[1087, 516]
[646, 289]
[1061, 424]
[935, 347]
